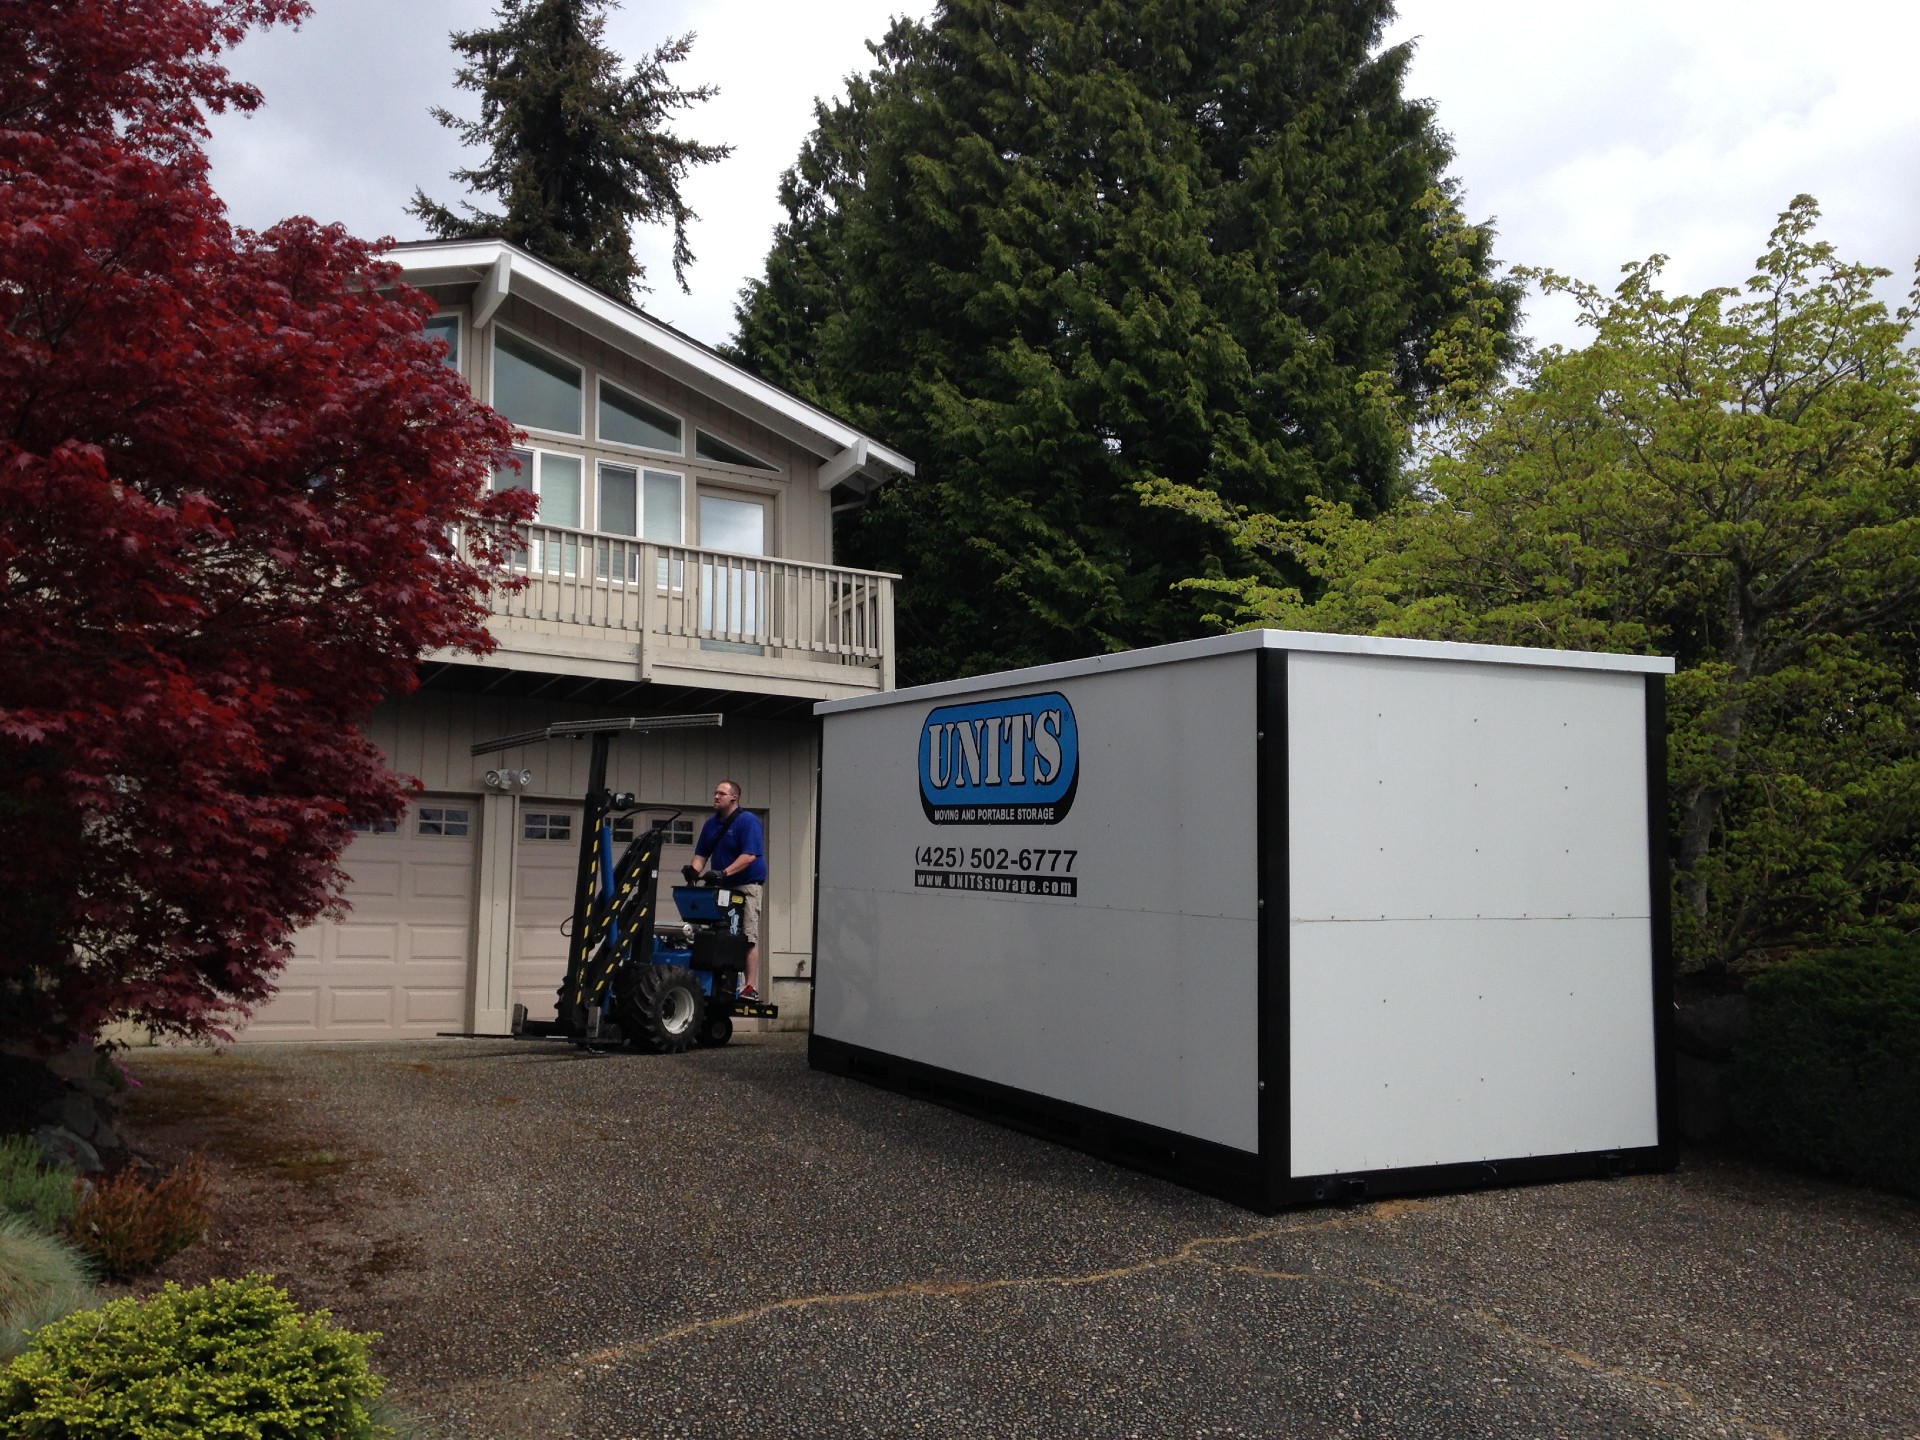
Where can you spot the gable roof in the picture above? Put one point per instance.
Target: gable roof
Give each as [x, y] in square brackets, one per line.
[498, 269]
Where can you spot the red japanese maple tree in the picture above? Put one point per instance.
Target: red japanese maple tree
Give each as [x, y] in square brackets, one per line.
[231, 470]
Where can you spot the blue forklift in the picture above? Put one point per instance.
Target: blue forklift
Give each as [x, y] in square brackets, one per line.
[628, 981]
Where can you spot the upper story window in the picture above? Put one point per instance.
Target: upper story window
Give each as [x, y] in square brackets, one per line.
[556, 479]
[645, 503]
[536, 388]
[712, 447]
[447, 328]
[626, 419]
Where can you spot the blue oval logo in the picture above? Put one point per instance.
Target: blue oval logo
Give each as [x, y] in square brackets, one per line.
[1000, 762]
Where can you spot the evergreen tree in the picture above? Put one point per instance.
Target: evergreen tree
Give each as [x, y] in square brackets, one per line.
[1061, 253]
[579, 153]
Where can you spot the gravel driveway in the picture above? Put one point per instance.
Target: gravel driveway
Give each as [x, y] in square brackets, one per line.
[728, 1244]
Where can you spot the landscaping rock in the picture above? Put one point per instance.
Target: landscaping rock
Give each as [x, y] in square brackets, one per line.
[71, 1112]
[1709, 1027]
[76, 1062]
[61, 1145]
[112, 1149]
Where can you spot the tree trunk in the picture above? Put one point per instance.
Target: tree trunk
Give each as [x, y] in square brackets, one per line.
[1705, 803]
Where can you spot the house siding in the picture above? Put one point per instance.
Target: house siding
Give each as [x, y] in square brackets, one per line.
[430, 736]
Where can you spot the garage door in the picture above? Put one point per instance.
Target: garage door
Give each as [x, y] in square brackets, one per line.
[543, 900]
[397, 965]
[545, 868]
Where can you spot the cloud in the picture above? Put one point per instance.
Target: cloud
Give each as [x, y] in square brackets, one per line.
[346, 134]
[1601, 133]
[1596, 131]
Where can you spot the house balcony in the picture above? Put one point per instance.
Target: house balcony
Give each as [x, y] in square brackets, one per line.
[606, 608]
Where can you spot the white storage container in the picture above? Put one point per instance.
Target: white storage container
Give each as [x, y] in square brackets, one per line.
[1284, 917]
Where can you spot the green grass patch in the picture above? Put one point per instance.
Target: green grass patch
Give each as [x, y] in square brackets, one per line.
[32, 1186]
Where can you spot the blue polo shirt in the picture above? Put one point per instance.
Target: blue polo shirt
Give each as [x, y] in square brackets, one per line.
[744, 837]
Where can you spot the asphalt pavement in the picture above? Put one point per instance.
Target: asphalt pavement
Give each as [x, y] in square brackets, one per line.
[728, 1244]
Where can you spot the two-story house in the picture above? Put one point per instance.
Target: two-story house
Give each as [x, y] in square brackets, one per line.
[680, 563]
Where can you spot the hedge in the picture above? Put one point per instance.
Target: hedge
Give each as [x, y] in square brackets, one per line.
[1828, 1074]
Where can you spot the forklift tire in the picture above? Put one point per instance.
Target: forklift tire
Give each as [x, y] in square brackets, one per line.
[666, 1011]
[717, 1030]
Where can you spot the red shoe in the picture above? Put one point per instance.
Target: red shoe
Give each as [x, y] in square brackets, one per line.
[749, 995]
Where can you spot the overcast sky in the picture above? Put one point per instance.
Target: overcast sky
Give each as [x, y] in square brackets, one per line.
[1592, 133]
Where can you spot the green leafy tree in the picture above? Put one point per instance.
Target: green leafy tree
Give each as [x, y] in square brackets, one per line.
[1058, 251]
[1732, 478]
[578, 152]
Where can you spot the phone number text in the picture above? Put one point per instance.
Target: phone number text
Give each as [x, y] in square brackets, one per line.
[1027, 862]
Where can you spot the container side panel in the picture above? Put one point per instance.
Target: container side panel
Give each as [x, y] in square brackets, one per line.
[1133, 995]
[1470, 927]
[1439, 1042]
[1460, 791]
[1068, 1011]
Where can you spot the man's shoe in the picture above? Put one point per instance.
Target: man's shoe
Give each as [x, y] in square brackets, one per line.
[749, 995]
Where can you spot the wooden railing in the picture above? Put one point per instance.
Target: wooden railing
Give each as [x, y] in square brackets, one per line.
[710, 599]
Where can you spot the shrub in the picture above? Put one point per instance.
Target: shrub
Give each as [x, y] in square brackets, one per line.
[233, 1358]
[32, 1186]
[130, 1225]
[1829, 1072]
[41, 1279]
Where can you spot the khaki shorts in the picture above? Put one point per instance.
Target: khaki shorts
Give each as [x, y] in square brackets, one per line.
[750, 912]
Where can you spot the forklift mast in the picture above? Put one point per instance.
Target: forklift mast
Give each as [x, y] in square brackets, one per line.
[663, 994]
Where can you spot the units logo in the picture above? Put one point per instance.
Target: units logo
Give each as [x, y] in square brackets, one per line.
[1000, 762]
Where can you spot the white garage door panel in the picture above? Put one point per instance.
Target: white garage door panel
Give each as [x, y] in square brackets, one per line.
[365, 942]
[398, 963]
[544, 878]
[430, 943]
[370, 1006]
[296, 1007]
[294, 1012]
[374, 878]
[435, 1009]
[447, 880]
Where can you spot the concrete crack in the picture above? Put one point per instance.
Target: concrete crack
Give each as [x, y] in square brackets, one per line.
[1193, 1252]
[1199, 1251]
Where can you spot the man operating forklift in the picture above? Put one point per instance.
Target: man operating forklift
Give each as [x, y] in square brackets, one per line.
[732, 851]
